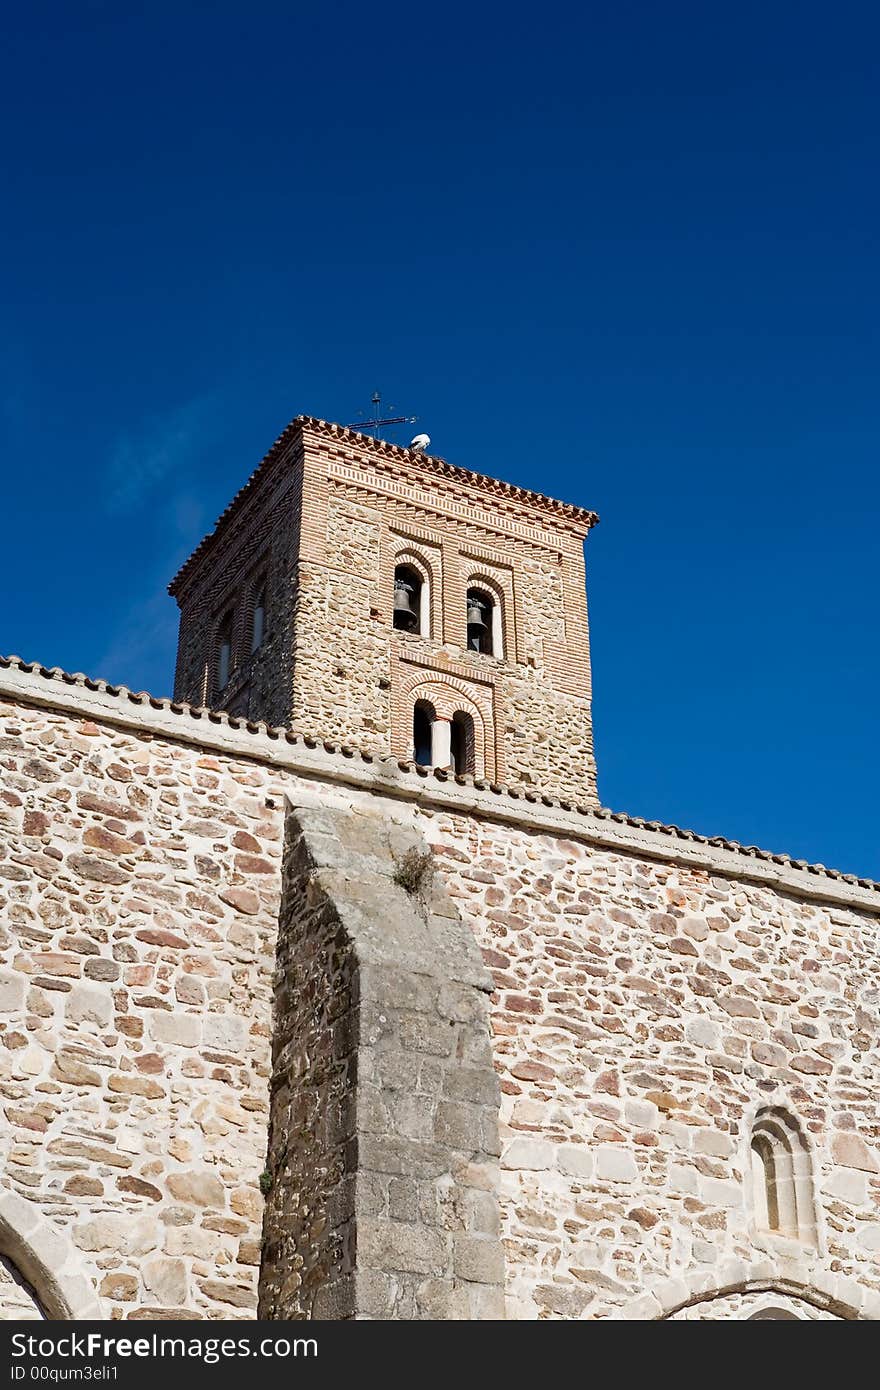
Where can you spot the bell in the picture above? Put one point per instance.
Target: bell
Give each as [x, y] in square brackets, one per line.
[476, 619]
[405, 615]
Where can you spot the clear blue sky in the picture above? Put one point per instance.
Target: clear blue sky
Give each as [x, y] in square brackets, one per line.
[623, 253]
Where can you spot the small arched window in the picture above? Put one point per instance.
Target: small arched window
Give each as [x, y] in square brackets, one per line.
[462, 743]
[782, 1180]
[423, 719]
[407, 599]
[481, 622]
[224, 651]
[258, 623]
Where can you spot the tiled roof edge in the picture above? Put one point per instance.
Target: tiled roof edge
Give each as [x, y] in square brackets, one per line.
[344, 751]
[427, 462]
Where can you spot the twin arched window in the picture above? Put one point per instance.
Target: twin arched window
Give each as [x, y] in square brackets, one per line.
[782, 1179]
[441, 742]
[412, 611]
[228, 645]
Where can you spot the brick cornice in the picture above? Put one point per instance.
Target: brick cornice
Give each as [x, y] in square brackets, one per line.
[573, 518]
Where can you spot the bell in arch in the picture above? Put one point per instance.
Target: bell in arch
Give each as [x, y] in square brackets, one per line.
[406, 614]
[479, 633]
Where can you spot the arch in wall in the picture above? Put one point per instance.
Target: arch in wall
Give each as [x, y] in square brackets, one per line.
[410, 558]
[63, 1282]
[781, 1193]
[834, 1293]
[481, 582]
[424, 715]
[449, 698]
[462, 743]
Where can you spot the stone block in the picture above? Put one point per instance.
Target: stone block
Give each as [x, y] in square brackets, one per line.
[12, 988]
[479, 1259]
[175, 1029]
[200, 1187]
[224, 1033]
[851, 1151]
[408, 1247]
[615, 1165]
[89, 1004]
[533, 1154]
[167, 1280]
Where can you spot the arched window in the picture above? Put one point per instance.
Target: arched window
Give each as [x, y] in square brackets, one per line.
[782, 1180]
[258, 623]
[462, 743]
[483, 623]
[224, 651]
[407, 599]
[423, 719]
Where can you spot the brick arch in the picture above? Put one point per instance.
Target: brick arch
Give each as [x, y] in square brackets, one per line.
[63, 1280]
[478, 579]
[835, 1293]
[449, 695]
[412, 555]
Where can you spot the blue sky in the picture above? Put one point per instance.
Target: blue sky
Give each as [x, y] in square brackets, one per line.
[626, 254]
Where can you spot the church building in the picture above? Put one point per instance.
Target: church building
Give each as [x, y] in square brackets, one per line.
[329, 990]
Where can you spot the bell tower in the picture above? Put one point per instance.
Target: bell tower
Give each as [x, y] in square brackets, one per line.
[383, 598]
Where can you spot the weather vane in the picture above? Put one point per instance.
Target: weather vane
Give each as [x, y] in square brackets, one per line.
[377, 422]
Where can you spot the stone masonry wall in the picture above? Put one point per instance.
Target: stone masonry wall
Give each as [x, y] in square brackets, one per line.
[138, 907]
[643, 1012]
[651, 992]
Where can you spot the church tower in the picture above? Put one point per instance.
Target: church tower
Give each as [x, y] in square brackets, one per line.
[371, 595]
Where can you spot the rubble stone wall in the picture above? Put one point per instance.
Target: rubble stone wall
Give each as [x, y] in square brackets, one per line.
[650, 994]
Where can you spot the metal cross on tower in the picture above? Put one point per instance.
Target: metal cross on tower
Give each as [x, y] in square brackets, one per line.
[376, 422]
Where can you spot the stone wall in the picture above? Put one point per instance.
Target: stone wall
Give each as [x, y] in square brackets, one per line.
[652, 991]
[383, 1142]
[643, 1013]
[138, 907]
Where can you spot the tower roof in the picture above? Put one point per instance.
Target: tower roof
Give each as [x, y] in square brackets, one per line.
[421, 463]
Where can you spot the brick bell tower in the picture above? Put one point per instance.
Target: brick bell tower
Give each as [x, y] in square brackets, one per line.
[376, 596]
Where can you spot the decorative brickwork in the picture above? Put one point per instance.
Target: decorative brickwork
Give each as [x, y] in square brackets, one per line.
[328, 517]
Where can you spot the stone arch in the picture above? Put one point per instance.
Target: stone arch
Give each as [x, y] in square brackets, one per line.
[448, 697]
[780, 1187]
[835, 1293]
[62, 1280]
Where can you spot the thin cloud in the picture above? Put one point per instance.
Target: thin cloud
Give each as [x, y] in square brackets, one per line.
[164, 448]
[146, 641]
